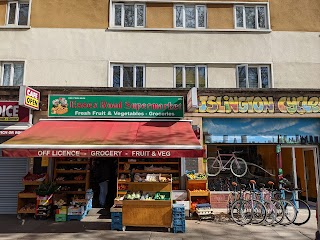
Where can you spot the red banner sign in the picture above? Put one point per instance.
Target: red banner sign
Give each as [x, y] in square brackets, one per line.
[10, 111]
[102, 153]
[4, 133]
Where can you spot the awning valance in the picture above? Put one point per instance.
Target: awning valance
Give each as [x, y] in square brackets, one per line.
[63, 138]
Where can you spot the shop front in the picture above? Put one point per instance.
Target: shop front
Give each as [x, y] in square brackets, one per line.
[275, 133]
[14, 120]
[140, 139]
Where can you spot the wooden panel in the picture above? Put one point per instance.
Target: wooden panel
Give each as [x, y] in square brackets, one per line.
[3, 13]
[70, 14]
[159, 15]
[150, 186]
[293, 15]
[146, 213]
[220, 16]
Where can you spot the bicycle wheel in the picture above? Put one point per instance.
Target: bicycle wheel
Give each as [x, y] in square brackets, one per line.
[280, 211]
[241, 212]
[303, 212]
[271, 213]
[259, 212]
[238, 167]
[213, 166]
[290, 212]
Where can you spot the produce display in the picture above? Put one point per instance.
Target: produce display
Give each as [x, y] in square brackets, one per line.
[28, 207]
[196, 176]
[198, 190]
[147, 196]
[34, 177]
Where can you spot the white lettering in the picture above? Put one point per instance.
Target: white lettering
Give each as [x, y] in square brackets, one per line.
[106, 153]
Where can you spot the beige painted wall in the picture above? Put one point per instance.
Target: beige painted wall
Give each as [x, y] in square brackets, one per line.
[220, 16]
[69, 14]
[159, 15]
[3, 12]
[293, 15]
[159, 75]
[58, 57]
[221, 76]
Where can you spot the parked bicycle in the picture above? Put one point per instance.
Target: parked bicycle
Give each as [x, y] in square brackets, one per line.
[238, 166]
[302, 208]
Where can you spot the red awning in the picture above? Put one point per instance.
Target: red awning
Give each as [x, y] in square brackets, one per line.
[82, 138]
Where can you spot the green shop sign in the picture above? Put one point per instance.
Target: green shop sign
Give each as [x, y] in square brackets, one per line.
[115, 106]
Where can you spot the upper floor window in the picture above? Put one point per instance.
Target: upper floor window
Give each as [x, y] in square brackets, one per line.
[249, 76]
[18, 13]
[128, 15]
[190, 16]
[11, 73]
[124, 75]
[251, 17]
[190, 76]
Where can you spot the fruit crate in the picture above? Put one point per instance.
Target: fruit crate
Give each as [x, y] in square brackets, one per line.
[60, 217]
[181, 229]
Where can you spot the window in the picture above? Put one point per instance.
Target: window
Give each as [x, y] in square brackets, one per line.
[190, 16]
[128, 15]
[18, 13]
[190, 76]
[128, 76]
[253, 76]
[251, 17]
[11, 73]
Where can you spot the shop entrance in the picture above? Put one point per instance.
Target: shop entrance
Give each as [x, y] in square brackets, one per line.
[104, 173]
[299, 165]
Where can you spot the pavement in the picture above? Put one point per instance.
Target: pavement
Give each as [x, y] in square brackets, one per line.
[97, 226]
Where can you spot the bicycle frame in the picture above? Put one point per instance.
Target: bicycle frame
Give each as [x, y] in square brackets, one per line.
[231, 155]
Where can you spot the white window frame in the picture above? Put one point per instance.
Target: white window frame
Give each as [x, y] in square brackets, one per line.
[247, 66]
[135, 14]
[184, 75]
[184, 15]
[134, 74]
[11, 72]
[267, 24]
[16, 20]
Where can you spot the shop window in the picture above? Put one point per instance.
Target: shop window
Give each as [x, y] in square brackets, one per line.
[249, 76]
[18, 13]
[128, 15]
[251, 16]
[190, 76]
[190, 16]
[131, 76]
[11, 73]
[261, 161]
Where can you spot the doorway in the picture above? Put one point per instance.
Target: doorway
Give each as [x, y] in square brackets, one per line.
[300, 164]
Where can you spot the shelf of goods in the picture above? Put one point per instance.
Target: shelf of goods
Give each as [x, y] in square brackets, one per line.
[73, 175]
[197, 192]
[129, 167]
[27, 198]
[148, 213]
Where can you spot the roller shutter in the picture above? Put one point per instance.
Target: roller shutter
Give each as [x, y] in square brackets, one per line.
[12, 171]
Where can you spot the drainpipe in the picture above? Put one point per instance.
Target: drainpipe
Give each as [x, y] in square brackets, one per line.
[318, 199]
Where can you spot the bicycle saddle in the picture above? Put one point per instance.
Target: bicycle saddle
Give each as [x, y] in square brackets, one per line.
[234, 184]
[253, 181]
[271, 183]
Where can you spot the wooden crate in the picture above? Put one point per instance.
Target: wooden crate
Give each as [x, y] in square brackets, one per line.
[147, 213]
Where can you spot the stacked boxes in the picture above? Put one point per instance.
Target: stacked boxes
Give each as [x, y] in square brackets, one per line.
[178, 218]
[61, 214]
[116, 221]
[116, 217]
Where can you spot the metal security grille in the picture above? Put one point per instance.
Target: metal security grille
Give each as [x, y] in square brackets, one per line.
[12, 170]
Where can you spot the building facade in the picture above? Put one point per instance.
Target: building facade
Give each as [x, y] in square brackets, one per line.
[235, 48]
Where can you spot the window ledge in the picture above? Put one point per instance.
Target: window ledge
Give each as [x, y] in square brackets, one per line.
[15, 27]
[189, 30]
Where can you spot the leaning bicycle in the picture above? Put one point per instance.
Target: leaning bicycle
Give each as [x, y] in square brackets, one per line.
[238, 166]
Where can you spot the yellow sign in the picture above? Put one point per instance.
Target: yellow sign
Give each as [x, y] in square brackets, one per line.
[29, 97]
[45, 162]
